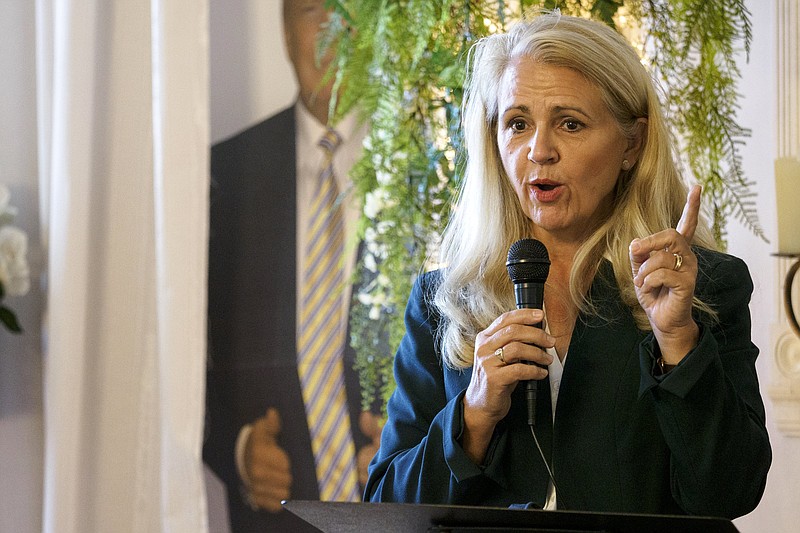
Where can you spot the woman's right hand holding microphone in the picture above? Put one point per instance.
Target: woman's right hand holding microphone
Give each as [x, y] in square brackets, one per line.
[512, 338]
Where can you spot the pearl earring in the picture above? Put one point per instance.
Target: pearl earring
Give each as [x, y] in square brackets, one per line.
[626, 165]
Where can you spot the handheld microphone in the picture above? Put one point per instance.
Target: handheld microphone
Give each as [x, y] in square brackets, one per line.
[528, 265]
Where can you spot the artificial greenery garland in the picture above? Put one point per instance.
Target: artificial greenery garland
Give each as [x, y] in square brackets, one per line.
[402, 63]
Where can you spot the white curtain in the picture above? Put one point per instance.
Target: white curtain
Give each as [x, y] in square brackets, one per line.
[123, 143]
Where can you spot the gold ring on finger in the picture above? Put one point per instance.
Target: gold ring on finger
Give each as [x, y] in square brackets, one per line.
[678, 261]
[499, 354]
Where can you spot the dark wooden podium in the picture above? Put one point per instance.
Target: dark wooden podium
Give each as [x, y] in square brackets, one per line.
[336, 517]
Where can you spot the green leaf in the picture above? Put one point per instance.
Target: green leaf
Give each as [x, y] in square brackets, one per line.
[605, 10]
[8, 318]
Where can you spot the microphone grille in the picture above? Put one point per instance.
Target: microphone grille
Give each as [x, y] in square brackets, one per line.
[528, 262]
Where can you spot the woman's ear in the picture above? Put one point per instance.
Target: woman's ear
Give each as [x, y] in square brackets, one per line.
[635, 144]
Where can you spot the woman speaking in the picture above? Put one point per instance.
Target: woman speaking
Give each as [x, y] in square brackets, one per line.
[648, 398]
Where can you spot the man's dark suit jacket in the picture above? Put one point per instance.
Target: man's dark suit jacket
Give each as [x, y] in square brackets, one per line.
[251, 308]
[623, 440]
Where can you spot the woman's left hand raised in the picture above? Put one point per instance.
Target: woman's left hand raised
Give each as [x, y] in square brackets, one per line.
[664, 277]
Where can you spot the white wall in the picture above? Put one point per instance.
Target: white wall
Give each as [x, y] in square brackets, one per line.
[250, 75]
[21, 444]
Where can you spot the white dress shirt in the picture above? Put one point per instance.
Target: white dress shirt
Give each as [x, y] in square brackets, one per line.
[555, 371]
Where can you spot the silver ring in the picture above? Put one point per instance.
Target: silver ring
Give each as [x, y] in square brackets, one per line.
[678, 261]
[499, 354]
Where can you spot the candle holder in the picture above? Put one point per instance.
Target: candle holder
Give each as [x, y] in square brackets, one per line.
[787, 290]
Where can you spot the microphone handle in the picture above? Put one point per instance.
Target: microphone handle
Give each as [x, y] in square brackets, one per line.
[530, 296]
[531, 388]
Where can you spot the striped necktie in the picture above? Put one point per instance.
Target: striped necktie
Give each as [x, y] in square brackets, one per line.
[322, 339]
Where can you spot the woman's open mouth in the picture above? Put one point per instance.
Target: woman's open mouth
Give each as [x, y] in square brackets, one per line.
[546, 191]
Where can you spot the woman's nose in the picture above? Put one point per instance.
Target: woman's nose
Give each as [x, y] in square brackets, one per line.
[541, 149]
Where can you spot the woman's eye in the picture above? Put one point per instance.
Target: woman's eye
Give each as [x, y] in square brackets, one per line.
[572, 125]
[517, 125]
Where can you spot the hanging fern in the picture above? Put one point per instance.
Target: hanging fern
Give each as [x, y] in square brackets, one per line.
[401, 65]
[696, 42]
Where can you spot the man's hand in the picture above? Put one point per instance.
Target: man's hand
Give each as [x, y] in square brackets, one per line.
[266, 464]
[370, 426]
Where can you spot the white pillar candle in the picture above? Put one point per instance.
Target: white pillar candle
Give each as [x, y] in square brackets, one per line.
[787, 199]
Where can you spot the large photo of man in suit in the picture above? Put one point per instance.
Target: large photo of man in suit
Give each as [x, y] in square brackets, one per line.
[262, 179]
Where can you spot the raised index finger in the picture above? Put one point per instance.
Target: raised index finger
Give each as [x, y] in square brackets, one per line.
[691, 213]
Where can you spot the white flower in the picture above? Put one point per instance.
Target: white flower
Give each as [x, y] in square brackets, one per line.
[371, 241]
[14, 272]
[384, 226]
[374, 312]
[365, 298]
[384, 135]
[373, 203]
[370, 263]
[378, 302]
[384, 178]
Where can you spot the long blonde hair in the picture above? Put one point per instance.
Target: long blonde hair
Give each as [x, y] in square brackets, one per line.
[487, 217]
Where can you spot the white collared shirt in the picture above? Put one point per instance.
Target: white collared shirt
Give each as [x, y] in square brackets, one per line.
[555, 371]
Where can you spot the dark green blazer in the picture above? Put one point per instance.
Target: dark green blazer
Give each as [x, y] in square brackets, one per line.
[692, 442]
